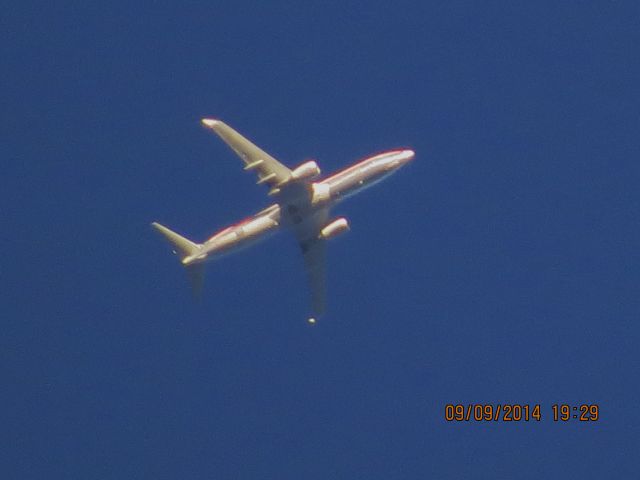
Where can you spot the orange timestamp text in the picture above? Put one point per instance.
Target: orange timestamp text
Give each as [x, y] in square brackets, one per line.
[515, 412]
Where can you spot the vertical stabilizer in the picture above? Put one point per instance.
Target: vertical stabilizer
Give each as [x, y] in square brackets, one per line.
[195, 273]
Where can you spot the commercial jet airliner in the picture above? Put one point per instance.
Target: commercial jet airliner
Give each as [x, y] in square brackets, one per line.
[302, 205]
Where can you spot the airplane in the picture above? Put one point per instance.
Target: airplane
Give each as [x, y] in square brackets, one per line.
[302, 205]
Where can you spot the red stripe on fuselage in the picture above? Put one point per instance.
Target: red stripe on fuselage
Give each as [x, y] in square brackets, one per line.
[361, 163]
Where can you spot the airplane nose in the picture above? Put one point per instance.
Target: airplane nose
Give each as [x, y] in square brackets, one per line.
[406, 156]
[400, 158]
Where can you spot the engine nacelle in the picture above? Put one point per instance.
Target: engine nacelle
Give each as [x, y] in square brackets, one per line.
[334, 229]
[306, 171]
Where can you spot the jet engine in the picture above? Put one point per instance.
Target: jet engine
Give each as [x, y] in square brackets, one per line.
[306, 171]
[334, 229]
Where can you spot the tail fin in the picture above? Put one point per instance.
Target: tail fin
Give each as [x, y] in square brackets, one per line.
[187, 250]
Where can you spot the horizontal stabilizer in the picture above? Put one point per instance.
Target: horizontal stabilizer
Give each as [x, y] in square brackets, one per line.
[182, 246]
[188, 251]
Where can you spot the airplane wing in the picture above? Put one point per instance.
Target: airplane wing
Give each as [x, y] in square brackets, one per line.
[314, 254]
[270, 170]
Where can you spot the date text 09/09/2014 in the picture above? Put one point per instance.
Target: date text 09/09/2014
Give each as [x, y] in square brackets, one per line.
[479, 412]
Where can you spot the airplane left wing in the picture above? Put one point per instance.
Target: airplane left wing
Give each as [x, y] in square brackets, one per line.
[270, 170]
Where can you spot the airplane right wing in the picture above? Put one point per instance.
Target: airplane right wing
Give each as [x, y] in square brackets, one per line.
[313, 249]
[269, 170]
[314, 253]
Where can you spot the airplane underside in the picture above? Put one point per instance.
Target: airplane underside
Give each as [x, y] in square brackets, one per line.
[302, 206]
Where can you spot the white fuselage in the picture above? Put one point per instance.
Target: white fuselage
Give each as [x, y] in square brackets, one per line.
[300, 201]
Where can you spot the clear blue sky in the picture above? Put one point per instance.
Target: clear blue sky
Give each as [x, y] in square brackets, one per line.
[501, 266]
